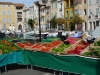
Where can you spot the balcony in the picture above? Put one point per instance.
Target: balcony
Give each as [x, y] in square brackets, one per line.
[89, 17]
[47, 13]
[43, 14]
[19, 15]
[66, 18]
[60, 9]
[96, 16]
[70, 6]
[71, 18]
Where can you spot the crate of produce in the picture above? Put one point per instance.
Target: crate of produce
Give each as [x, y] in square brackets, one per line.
[36, 47]
[96, 44]
[76, 48]
[47, 47]
[60, 49]
[92, 52]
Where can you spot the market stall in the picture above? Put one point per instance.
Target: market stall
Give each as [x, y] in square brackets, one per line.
[74, 57]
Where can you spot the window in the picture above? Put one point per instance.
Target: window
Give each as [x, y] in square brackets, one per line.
[33, 17]
[4, 26]
[84, 1]
[4, 20]
[89, 2]
[97, 1]
[66, 15]
[9, 12]
[54, 5]
[3, 5]
[80, 12]
[71, 14]
[55, 14]
[89, 12]
[8, 5]
[9, 20]
[76, 12]
[3, 12]
[84, 11]
[97, 11]
[52, 15]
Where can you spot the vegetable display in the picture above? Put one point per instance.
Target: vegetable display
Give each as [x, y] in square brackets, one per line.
[7, 47]
[61, 48]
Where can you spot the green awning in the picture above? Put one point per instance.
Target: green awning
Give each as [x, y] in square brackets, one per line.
[74, 64]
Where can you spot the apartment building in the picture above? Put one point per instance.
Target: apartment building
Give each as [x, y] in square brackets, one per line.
[45, 15]
[19, 16]
[54, 8]
[81, 8]
[7, 15]
[11, 16]
[60, 11]
[68, 13]
[26, 17]
[93, 14]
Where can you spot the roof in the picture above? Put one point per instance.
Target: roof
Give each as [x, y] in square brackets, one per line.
[26, 9]
[19, 4]
[10, 3]
[7, 3]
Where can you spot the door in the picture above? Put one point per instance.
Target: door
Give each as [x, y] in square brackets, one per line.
[20, 27]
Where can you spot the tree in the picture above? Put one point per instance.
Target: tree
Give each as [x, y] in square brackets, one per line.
[76, 21]
[31, 23]
[60, 22]
[53, 22]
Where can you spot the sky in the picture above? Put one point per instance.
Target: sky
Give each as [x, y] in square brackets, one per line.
[27, 3]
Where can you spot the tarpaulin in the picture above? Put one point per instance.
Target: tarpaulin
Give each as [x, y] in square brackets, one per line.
[74, 64]
[13, 57]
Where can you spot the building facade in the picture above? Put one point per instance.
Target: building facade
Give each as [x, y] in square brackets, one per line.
[19, 16]
[7, 18]
[11, 16]
[93, 14]
[68, 13]
[45, 15]
[81, 8]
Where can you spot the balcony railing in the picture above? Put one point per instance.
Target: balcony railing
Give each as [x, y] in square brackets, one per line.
[89, 17]
[71, 18]
[69, 6]
[66, 18]
[96, 16]
[19, 15]
[43, 14]
[60, 9]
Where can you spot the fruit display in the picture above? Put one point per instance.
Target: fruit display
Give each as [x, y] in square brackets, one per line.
[44, 47]
[78, 48]
[7, 47]
[23, 44]
[60, 49]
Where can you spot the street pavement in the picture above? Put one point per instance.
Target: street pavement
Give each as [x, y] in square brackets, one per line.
[23, 70]
[28, 70]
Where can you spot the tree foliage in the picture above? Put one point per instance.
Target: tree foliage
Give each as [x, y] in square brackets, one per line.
[77, 19]
[60, 21]
[53, 22]
[31, 23]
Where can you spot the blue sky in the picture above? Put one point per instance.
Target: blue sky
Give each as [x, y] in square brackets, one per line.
[26, 2]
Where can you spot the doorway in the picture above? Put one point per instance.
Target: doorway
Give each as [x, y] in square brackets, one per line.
[20, 27]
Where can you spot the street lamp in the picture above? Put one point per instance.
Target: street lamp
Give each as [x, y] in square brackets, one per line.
[39, 5]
